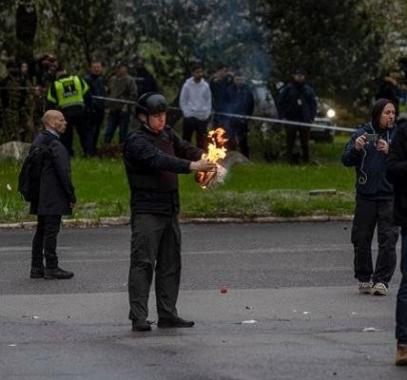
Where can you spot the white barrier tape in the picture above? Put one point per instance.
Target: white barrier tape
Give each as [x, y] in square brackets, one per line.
[256, 118]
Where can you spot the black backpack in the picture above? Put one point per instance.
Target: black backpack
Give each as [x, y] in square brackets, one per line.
[30, 175]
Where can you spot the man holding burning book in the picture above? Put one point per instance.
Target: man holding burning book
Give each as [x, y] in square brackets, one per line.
[153, 156]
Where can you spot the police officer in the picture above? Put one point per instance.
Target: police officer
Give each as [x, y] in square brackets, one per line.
[70, 95]
[153, 156]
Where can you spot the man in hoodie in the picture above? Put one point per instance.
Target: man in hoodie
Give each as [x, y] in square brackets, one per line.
[196, 104]
[367, 151]
[297, 102]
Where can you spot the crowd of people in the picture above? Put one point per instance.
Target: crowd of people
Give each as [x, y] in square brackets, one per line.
[153, 156]
[28, 91]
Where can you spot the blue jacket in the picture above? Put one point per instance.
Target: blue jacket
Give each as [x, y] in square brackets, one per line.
[369, 164]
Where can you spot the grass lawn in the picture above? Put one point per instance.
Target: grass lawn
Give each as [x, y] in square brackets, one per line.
[261, 189]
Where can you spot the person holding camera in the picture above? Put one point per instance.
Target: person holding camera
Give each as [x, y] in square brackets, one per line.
[367, 151]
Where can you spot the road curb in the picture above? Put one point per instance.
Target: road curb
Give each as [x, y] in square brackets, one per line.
[124, 220]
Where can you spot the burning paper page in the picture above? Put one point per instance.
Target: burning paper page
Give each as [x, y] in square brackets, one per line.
[216, 153]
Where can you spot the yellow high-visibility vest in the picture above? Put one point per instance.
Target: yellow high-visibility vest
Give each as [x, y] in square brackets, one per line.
[69, 92]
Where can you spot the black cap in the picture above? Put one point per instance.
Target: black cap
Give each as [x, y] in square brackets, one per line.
[300, 71]
[151, 103]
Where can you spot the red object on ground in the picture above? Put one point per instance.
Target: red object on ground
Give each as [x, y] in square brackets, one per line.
[223, 290]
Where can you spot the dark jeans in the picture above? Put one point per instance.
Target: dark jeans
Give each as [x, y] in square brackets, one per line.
[291, 135]
[45, 241]
[95, 123]
[237, 134]
[116, 119]
[368, 213]
[401, 309]
[155, 245]
[200, 127]
[85, 134]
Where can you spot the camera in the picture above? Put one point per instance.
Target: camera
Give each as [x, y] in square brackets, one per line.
[372, 137]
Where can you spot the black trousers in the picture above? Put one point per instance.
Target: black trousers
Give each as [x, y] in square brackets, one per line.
[368, 214]
[85, 134]
[155, 246]
[200, 127]
[291, 134]
[237, 133]
[95, 123]
[45, 241]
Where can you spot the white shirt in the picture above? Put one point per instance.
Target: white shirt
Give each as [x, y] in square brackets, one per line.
[196, 99]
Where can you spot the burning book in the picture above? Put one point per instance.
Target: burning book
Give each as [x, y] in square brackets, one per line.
[216, 153]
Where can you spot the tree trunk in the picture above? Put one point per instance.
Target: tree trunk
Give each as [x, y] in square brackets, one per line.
[26, 26]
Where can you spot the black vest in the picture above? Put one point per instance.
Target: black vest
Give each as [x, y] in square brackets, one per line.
[152, 191]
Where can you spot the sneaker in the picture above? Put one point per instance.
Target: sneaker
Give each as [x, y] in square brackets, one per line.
[379, 289]
[141, 325]
[401, 355]
[174, 322]
[57, 274]
[37, 272]
[365, 287]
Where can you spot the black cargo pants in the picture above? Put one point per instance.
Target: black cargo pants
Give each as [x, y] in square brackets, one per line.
[155, 246]
[368, 213]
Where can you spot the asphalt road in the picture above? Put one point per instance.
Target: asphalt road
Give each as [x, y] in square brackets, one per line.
[293, 281]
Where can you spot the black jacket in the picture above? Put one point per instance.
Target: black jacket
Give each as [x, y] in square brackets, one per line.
[297, 102]
[374, 164]
[145, 81]
[56, 189]
[397, 174]
[97, 87]
[240, 99]
[152, 162]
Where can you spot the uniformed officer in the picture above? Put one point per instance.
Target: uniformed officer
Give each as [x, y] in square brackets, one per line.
[153, 156]
[70, 95]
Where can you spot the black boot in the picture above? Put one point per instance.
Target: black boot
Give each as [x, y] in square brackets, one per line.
[174, 322]
[57, 274]
[141, 325]
[37, 272]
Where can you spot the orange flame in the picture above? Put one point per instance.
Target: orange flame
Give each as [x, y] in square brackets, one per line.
[216, 152]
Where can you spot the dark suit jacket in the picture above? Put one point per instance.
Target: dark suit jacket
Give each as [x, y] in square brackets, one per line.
[56, 189]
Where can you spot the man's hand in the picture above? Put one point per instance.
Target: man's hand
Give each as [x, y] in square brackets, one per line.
[202, 166]
[360, 142]
[382, 146]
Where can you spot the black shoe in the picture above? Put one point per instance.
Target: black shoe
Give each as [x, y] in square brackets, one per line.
[174, 322]
[37, 272]
[141, 325]
[57, 274]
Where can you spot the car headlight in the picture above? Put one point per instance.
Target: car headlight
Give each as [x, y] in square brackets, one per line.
[331, 113]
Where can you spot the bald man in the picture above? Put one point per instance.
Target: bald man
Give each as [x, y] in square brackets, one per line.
[56, 198]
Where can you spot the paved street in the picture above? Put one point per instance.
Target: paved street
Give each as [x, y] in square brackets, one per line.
[294, 280]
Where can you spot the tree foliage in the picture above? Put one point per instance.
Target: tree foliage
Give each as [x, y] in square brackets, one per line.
[336, 41]
[210, 31]
[344, 44]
